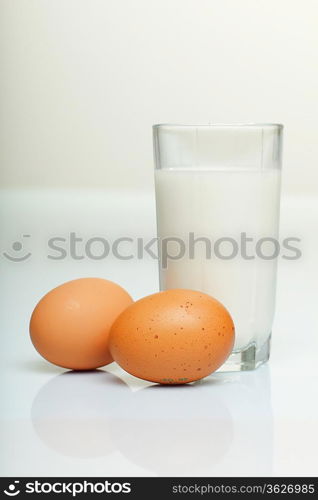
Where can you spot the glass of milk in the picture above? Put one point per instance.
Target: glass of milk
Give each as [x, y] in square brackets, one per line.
[217, 198]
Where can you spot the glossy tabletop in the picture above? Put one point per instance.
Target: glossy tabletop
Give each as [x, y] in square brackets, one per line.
[107, 423]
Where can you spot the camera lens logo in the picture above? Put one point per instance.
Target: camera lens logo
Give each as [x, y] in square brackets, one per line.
[13, 491]
[19, 255]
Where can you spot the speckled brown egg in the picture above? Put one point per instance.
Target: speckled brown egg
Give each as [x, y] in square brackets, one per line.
[172, 337]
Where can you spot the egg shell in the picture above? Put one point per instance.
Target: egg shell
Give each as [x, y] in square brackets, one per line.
[70, 325]
[172, 337]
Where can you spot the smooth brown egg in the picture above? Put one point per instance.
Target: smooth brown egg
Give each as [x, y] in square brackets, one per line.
[172, 337]
[70, 325]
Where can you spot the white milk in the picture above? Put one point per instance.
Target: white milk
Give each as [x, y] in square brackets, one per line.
[216, 204]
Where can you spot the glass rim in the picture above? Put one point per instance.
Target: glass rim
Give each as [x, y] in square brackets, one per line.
[218, 125]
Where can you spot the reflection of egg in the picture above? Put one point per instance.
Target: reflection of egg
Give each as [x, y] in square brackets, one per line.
[172, 337]
[70, 325]
[179, 430]
[173, 430]
[69, 414]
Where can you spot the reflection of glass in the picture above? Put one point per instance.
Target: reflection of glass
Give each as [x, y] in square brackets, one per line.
[217, 196]
[219, 426]
[248, 398]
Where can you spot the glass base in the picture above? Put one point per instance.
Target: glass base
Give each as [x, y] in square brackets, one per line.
[248, 358]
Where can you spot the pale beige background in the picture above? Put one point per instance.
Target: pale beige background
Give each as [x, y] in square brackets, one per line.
[82, 81]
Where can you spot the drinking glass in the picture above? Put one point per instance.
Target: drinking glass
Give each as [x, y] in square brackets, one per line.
[217, 199]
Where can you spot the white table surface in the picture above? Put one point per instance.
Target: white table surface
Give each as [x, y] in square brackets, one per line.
[108, 423]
